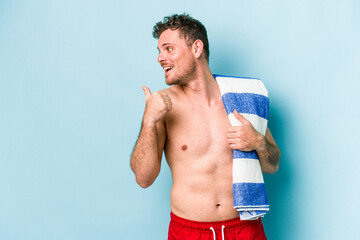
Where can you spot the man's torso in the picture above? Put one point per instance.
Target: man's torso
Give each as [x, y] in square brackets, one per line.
[200, 159]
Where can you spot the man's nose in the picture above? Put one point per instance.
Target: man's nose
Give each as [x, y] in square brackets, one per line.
[161, 58]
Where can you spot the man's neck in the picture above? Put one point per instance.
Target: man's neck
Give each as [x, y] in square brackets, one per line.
[203, 89]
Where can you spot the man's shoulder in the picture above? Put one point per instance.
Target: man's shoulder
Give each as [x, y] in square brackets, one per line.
[171, 91]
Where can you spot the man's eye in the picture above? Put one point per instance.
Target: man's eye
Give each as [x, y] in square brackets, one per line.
[169, 49]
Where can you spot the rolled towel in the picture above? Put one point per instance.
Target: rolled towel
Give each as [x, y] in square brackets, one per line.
[249, 97]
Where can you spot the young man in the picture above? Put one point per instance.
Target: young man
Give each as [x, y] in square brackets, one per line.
[189, 123]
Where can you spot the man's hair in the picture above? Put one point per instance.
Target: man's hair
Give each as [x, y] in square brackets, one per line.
[190, 29]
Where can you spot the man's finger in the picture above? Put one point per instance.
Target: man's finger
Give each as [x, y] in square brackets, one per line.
[168, 103]
[233, 141]
[147, 92]
[232, 135]
[240, 117]
[234, 129]
[233, 146]
[166, 98]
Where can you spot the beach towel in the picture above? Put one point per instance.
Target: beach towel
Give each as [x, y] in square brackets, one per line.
[249, 97]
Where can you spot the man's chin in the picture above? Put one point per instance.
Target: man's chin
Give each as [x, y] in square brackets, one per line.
[176, 81]
[170, 81]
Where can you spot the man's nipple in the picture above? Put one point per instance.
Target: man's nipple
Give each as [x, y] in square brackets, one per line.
[184, 147]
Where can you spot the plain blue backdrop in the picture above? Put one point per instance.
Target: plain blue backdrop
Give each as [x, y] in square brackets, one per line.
[71, 106]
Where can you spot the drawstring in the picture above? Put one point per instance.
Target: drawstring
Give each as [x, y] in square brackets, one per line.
[212, 229]
[222, 232]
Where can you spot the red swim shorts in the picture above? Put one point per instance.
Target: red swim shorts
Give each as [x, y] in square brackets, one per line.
[233, 229]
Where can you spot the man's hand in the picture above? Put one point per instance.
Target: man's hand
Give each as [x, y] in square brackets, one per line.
[157, 105]
[245, 137]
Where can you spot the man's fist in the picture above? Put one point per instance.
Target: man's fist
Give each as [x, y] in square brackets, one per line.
[244, 137]
[157, 105]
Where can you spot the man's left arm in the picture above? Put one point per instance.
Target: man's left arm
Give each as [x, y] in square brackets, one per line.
[246, 138]
[269, 153]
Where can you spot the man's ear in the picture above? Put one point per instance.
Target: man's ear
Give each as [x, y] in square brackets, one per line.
[197, 48]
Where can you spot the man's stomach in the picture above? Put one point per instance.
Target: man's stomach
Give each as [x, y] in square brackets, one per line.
[203, 198]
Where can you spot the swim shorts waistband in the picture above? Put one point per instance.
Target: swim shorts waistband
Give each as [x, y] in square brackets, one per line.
[231, 223]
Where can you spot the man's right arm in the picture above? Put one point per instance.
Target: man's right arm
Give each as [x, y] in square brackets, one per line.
[146, 157]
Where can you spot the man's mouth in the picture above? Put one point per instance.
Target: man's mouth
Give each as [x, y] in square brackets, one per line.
[167, 69]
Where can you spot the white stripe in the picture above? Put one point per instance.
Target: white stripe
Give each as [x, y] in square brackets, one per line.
[241, 85]
[247, 171]
[259, 123]
[250, 216]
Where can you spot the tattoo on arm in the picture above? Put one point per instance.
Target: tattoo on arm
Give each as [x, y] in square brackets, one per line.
[274, 154]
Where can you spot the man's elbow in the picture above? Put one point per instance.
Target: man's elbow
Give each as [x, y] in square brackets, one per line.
[145, 181]
[143, 184]
[142, 179]
[269, 169]
[272, 169]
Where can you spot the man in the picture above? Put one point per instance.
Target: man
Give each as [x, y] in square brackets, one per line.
[189, 123]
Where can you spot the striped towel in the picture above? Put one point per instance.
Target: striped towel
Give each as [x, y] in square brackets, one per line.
[250, 98]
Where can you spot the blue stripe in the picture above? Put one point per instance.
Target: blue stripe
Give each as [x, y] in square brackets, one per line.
[241, 154]
[250, 194]
[246, 103]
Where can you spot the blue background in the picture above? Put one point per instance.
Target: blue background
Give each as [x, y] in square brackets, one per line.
[71, 106]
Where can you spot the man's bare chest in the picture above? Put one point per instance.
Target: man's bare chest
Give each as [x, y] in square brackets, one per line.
[198, 131]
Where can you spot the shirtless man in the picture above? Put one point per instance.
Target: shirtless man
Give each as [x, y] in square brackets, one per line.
[189, 123]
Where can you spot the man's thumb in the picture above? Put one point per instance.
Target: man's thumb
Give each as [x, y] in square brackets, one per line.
[240, 117]
[147, 92]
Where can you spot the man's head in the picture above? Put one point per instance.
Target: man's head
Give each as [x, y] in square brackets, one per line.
[181, 48]
[189, 28]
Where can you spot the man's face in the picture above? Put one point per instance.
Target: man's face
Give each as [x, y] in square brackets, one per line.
[176, 58]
